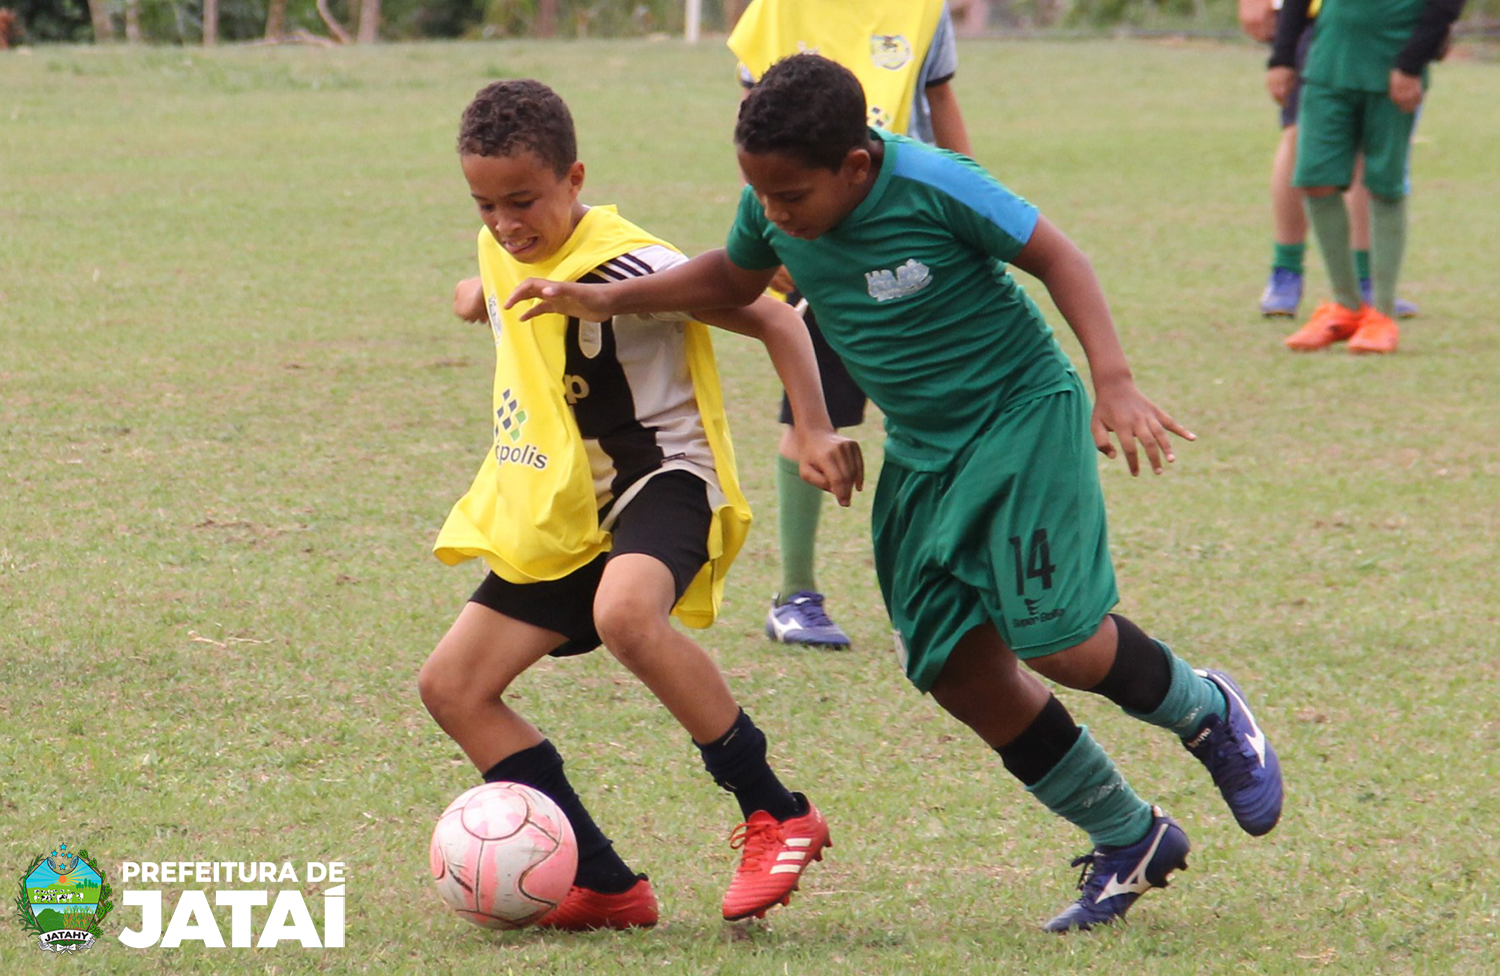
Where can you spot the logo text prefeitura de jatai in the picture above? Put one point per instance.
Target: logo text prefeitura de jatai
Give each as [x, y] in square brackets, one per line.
[259, 916]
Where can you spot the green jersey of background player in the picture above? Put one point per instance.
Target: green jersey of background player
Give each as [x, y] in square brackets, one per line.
[989, 526]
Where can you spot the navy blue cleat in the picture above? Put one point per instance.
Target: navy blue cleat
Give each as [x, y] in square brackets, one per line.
[1113, 878]
[1404, 308]
[1283, 293]
[801, 619]
[1241, 761]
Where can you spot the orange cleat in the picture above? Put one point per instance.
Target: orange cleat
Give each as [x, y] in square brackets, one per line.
[1377, 332]
[774, 856]
[1330, 323]
[584, 909]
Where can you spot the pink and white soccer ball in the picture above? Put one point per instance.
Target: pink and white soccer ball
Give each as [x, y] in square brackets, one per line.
[503, 855]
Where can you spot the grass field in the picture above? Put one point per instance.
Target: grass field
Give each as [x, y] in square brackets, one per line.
[234, 409]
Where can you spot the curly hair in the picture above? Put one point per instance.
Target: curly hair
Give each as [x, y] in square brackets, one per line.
[807, 107]
[515, 116]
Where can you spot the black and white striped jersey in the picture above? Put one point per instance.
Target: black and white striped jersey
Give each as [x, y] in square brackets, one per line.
[628, 383]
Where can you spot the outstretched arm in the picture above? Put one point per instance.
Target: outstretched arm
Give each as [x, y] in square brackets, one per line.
[1119, 407]
[948, 127]
[708, 281]
[826, 459]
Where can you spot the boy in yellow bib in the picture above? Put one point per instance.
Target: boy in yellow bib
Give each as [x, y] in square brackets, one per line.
[607, 502]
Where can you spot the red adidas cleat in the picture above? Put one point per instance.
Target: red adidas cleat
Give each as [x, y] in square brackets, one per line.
[774, 856]
[584, 909]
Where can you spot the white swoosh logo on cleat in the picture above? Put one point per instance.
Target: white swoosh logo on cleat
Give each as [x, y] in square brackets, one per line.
[782, 629]
[1256, 737]
[1135, 882]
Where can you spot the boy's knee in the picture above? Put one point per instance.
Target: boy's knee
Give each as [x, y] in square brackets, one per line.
[1084, 664]
[626, 628]
[448, 690]
[435, 687]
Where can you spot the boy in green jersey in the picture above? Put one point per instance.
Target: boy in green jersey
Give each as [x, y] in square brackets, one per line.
[1360, 90]
[989, 526]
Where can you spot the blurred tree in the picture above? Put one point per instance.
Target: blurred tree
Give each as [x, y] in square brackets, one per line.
[104, 28]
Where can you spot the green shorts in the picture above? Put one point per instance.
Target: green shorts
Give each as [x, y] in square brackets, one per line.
[1336, 124]
[1012, 533]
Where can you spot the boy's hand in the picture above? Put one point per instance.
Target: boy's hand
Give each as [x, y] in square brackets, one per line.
[468, 300]
[831, 462]
[1406, 90]
[561, 298]
[1280, 82]
[1122, 409]
[1258, 19]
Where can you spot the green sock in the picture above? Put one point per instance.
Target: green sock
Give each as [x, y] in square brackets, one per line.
[1087, 790]
[1330, 222]
[798, 505]
[1388, 244]
[1288, 257]
[1190, 699]
[1362, 264]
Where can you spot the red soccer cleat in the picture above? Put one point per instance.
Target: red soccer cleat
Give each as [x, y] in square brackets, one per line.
[774, 856]
[583, 909]
[1377, 333]
[1330, 323]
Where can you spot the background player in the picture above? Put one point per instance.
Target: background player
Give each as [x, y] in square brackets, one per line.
[904, 54]
[1283, 291]
[1360, 89]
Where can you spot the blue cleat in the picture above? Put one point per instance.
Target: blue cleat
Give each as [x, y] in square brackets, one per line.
[802, 620]
[1241, 761]
[1113, 878]
[1404, 308]
[1283, 293]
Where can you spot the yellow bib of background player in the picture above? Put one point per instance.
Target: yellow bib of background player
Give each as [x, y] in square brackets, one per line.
[884, 43]
[531, 513]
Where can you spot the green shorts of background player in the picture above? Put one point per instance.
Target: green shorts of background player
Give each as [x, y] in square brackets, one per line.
[989, 520]
[1361, 86]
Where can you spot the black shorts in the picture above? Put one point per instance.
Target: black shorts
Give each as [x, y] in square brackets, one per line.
[846, 401]
[1294, 97]
[668, 520]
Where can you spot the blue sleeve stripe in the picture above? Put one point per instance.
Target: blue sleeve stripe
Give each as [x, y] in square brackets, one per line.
[969, 186]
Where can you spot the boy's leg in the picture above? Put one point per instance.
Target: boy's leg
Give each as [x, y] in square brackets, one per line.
[798, 614]
[1283, 292]
[1387, 150]
[1327, 143]
[462, 683]
[1388, 246]
[1136, 846]
[1205, 709]
[659, 545]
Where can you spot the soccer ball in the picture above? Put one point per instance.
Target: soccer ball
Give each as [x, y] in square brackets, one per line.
[503, 855]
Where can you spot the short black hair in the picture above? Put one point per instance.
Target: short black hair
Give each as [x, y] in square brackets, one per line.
[514, 116]
[807, 107]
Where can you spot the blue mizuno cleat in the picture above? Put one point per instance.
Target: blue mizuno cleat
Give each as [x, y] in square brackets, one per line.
[1404, 308]
[1241, 761]
[802, 620]
[1114, 878]
[1283, 293]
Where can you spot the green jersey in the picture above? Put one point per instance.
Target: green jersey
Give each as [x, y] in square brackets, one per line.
[1356, 42]
[911, 290]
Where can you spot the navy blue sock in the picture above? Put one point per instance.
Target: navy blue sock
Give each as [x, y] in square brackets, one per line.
[737, 762]
[541, 767]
